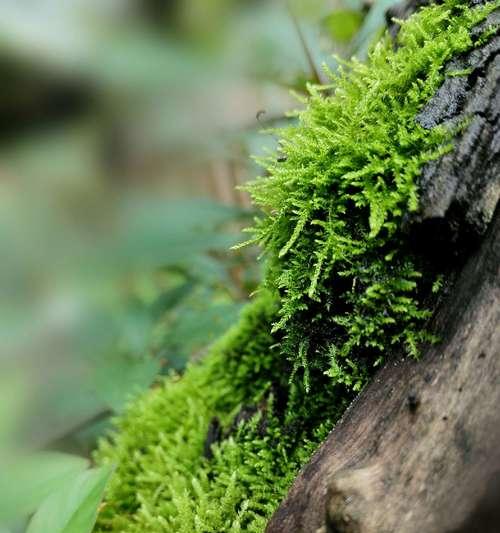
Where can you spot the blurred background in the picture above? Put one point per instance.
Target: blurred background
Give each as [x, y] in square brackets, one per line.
[126, 127]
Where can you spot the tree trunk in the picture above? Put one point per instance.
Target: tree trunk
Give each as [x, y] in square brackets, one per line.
[419, 449]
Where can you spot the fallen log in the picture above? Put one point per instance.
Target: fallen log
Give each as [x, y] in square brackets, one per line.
[419, 449]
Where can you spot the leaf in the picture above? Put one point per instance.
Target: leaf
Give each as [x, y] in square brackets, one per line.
[372, 26]
[343, 24]
[120, 376]
[27, 482]
[74, 508]
[195, 326]
[155, 233]
[167, 300]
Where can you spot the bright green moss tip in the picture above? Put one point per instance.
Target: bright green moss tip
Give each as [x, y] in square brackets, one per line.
[216, 449]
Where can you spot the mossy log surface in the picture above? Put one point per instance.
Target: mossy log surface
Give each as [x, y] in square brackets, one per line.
[419, 449]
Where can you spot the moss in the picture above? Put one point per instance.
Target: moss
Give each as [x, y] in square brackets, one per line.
[342, 289]
[351, 290]
[165, 482]
[159, 444]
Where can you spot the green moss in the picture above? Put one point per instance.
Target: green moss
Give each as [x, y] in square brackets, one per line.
[163, 480]
[351, 290]
[342, 289]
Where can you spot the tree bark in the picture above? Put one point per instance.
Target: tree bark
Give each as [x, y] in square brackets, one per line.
[419, 449]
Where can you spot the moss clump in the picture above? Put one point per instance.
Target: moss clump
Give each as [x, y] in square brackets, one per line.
[342, 289]
[334, 201]
[165, 482]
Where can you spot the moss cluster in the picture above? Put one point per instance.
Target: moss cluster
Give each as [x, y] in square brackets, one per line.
[165, 480]
[216, 449]
[334, 202]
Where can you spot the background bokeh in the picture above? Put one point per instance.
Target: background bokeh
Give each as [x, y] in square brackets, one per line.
[126, 127]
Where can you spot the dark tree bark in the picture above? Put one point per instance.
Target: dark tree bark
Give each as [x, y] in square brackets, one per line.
[419, 449]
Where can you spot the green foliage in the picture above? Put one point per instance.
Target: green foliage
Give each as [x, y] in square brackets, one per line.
[72, 509]
[335, 202]
[373, 25]
[126, 341]
[21, 494]
[343, 24]
[342, 289]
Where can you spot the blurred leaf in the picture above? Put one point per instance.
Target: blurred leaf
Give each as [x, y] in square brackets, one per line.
[133, 60]
[117, 377]
[29, 480]
[276, 53]
[169, 299]
[159, 233]
[74, 508]
[372, 26]
[343, 24]
[209, 270]
[110, 327]
[194, 327]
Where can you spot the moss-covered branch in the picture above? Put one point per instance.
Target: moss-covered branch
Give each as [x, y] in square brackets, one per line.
[216, 449]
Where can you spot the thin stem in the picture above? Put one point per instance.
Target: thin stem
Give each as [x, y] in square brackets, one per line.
[314, 70]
